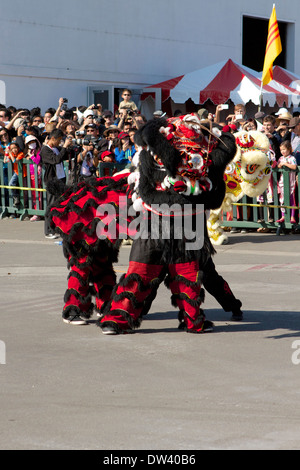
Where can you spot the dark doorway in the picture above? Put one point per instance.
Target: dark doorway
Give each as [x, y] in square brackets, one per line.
[255, 34]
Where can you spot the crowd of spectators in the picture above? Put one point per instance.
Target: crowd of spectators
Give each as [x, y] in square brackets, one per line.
[91, 135]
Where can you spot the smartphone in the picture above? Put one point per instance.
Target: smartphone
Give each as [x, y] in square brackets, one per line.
[239, 117]
[224, 106]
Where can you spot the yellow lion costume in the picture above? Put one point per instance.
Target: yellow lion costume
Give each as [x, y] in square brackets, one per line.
[247, 175]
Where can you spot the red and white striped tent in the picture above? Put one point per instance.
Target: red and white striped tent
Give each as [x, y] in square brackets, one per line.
[227, 80]
[286, 77]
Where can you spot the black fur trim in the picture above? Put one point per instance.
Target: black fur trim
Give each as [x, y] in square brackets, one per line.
[82, 299]
[183, 296]
[56, 187]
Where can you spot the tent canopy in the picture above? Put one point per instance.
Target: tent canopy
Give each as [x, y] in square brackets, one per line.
[289, 79]
[227, 80]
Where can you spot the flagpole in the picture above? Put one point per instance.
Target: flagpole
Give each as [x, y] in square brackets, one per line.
[273, 49]
[260, 97]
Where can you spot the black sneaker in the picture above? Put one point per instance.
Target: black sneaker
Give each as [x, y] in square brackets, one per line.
[75, 320]
[111, 328]
[237, 315]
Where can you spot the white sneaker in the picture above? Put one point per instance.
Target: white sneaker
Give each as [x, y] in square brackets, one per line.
[51, 236]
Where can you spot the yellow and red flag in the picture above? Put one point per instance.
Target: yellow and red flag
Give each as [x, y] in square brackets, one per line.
[273, 48]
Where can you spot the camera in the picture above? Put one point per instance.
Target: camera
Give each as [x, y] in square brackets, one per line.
[80, 142]
[79, 133]
[64, 106]
[89, 140]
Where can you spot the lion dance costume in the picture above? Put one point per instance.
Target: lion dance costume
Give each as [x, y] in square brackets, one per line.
[180, 165]
[247, 175]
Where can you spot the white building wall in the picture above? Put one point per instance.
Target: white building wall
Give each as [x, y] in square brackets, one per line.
[59, 48]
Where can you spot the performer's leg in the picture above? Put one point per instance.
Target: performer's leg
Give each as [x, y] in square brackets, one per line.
[103, 278]
[78, 300]
[132, 298]
[185, 284]
[219, 288]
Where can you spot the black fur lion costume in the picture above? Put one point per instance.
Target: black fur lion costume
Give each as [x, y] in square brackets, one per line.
[177, 174]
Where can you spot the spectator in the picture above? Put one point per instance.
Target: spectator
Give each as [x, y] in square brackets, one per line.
[108, 119]
[4, 145]
[127, 102]
[108, 136]
[289, 161]
[52, 156]
[15, 155]
[88, 159]
[108, 156]
[138, 121]
[48, 115]
[60, 111]
[5, 117]
[125, 151]
[12, 110]
[203, 113]
[294, 127]
[259, 117]
[69, 127]
[282, 123]
[239, 116]
[131, 136]
[158, 114]
[4, 140]
[250, 125]
[32, 153]
[274, 138]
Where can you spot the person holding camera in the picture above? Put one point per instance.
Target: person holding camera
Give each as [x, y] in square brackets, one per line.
[239, 117]
[88, 159]
[52, 157]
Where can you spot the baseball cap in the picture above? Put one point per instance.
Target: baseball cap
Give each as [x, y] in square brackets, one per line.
[123, 135]
[281, 111]
[92, 125]
[88, 112]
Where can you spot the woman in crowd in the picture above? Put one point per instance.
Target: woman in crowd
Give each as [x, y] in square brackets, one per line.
[32, 153]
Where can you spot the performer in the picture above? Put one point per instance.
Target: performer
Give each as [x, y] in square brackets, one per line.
[181, 163]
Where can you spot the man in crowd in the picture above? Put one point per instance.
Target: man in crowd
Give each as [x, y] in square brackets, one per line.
[294, 126]
[52, 156]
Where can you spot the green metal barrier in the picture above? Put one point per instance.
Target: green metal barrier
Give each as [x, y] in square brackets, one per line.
[109, 168]
[32, 193]
[245, 212]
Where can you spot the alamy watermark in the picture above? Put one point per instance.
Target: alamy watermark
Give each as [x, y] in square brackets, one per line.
[2, 352]
[296, 353]
[158, 221]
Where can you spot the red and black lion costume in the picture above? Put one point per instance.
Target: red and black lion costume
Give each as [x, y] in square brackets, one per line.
[181, 163]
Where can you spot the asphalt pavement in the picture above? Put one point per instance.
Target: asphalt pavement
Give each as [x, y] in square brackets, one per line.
[67, 387]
